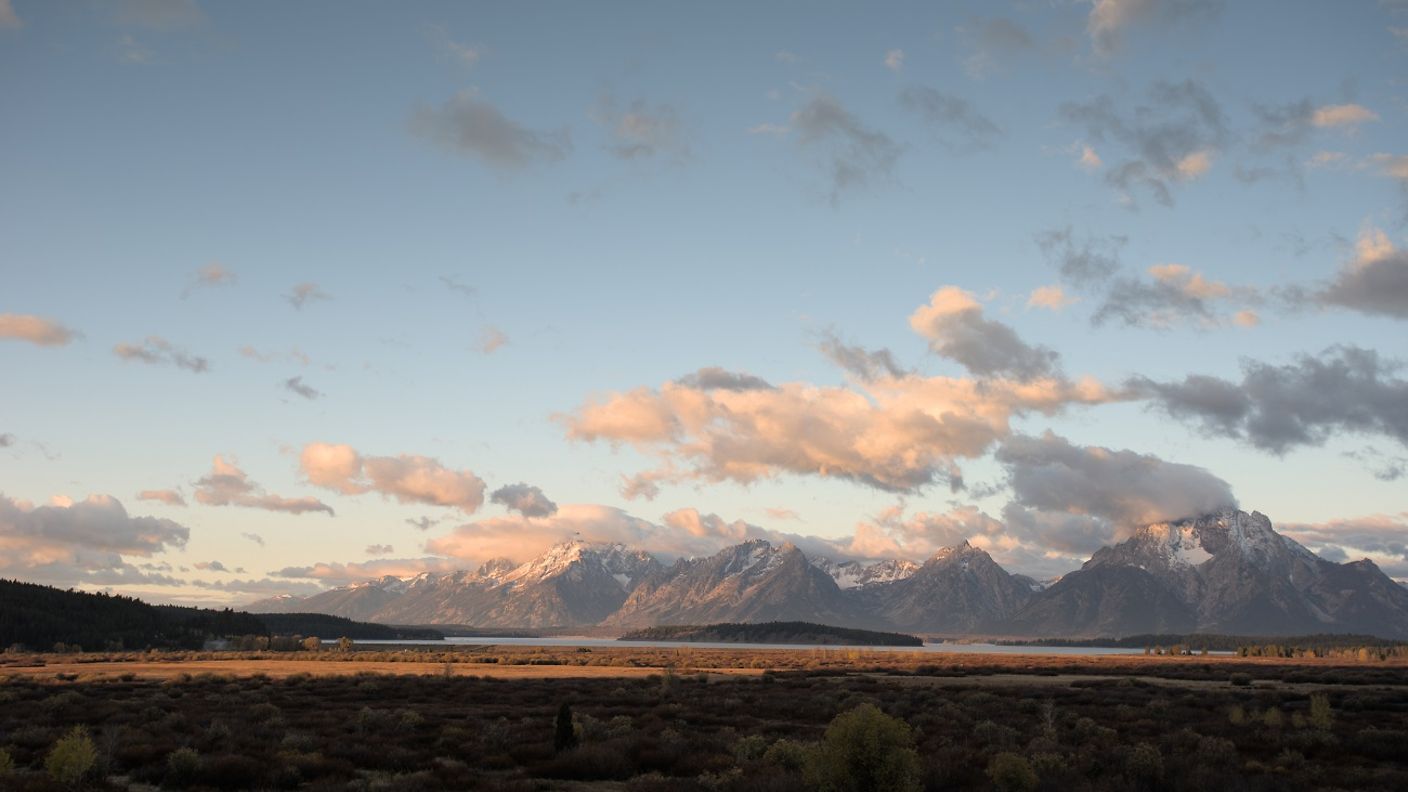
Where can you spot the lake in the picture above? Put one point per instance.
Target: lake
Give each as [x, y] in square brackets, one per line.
[929, 648]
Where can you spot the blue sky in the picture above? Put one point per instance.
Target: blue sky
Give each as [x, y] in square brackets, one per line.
[511, 219]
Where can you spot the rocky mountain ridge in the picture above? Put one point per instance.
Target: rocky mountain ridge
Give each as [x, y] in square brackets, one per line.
[1229, 572]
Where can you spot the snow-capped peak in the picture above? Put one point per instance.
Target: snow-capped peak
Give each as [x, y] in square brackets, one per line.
[855, 574]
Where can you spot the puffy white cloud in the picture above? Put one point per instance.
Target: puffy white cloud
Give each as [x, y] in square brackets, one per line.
[36, 330]
[228, 485]
[407, 478]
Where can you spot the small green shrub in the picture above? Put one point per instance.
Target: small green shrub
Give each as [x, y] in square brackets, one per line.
[7, 763]
[72, 757]
[182, 766]
[865, 749]
[1011, 772]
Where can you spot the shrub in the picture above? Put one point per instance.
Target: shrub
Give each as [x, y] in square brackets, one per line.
[182, 765]
[865, 749]
[1011, 773]
[72, 757]
[1145, 764]
[1321, 716]
[1240, 680]
[787, 754]
[7, 764]
[564, 736]
[750, 748]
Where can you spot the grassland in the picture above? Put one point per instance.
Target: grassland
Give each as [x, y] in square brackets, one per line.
[687, 718]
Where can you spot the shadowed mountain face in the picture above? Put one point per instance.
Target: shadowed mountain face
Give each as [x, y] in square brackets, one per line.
[959, 590]
[1229, 572]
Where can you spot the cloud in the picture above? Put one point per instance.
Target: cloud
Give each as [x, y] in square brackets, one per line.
[158, 15]
[894, 60]
[1305, 403]
[304, 293]
[9, 20]
[454, 285]
[227, 485]
[642, 131]
[1374, 282]
[993, 43]
[491, 340]
[778, 513]
[922, 534]
[1383, 536]
[35, 329]
[253, 537]
[212, 274]
[1109, 20]
[157, 351]
[379, 549]
[1170, 140]
[1173, 294]
[406, 478]
[341, 574]
[1052, 298]
[956, 123]
[893, 433]
[169, 497]
[953, 323]
[715, 378]
[296, 385]
[68, 542]
[1083, 263]
[1343, 115]
[866, 364]
[855, 155]
[6, 440]
[423, 523]
[1384, 467]
[1049, 474]
[469, 125]
[1089, 159]
[211, 566]
[454, 51]
[527, 500]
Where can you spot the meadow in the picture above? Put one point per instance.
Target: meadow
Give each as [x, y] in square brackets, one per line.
[523, 718]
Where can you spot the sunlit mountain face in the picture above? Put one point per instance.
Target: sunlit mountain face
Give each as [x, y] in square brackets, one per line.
[999, 319]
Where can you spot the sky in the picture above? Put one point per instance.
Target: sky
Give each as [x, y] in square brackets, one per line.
[299, 294]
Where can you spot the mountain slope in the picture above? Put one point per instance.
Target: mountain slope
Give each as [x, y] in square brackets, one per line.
[959, 590]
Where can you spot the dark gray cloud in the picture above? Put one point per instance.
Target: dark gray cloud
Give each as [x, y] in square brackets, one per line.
[994, 43]
[1170, 139]
[1384, 467]
[1372, 284]
[855, 154]
[1172, 295]
[866, 364]
[1083, 263]
[525, 499]
[955, 327]
[715, 378]
[1109, 20]
[298, 386]
[1064, 532]
[211, 566]
[956, 123]
[472, 126]
[379, 549]
[1284, 125]
[6, 440]
[157, 351]
[1380, 535]
[1279, 408]
[1049, 474]
[423, 523]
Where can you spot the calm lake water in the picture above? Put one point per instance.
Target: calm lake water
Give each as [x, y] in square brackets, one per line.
[932, 648]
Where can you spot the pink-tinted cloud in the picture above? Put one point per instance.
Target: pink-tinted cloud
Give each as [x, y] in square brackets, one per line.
[228, 485]
[406, 478]
[36, 330]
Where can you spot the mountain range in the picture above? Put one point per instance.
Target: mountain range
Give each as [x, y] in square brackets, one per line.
[1228, 572]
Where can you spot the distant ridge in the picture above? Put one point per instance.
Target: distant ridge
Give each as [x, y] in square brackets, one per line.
[1229, 572]
[802, 633]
